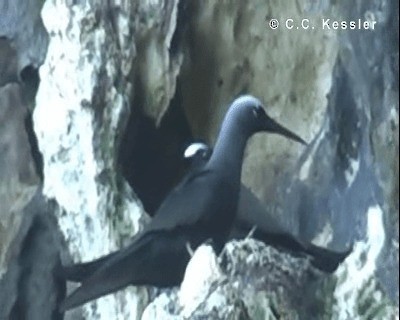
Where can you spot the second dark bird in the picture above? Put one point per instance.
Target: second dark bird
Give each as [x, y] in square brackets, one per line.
[202, 207]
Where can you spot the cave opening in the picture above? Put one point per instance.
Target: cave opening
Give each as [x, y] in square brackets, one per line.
[150, 156]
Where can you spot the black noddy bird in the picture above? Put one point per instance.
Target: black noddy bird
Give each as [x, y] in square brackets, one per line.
[202, 207]
[251, 213]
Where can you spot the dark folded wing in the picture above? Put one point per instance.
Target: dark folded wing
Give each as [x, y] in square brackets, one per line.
[190, 202]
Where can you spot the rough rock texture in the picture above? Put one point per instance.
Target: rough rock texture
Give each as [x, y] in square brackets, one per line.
[22, 27]
[23, 42]
[31, 288]
[29, 248]
[123, 85]
[358, 271]
[249, 281]
[346, 159]
[18, 177]
[85, 95]
[254, 281]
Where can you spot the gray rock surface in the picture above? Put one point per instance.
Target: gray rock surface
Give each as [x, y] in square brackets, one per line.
[30, 288]
[249, 281]
[27, 253]
[21, 24]
[254, 281]
[368, 301]
[18, 177]
[106, 65]
[8, 62]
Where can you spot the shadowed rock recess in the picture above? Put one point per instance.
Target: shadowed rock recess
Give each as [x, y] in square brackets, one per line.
[98, 100]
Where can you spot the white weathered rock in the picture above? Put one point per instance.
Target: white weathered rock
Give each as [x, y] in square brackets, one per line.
[78, 116]
[357, 294]
[162, 307]
[201, 278]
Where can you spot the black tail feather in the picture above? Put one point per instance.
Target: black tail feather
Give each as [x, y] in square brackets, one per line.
[81, 271]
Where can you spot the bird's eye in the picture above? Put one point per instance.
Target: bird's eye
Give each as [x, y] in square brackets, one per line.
[257, 111]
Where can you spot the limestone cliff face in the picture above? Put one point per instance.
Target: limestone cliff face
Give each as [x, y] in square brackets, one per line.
[98, 99]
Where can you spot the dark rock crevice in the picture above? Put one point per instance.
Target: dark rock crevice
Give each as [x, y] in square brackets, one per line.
[150, 156]
[30, 80]
[34, 147]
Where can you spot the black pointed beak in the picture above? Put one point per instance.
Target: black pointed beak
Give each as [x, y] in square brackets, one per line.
[275, 127]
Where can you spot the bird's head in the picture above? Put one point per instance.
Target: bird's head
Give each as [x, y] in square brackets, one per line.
[250, 115]
[197, 153]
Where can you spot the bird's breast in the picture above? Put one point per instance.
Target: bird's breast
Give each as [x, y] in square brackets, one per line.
[220, 220]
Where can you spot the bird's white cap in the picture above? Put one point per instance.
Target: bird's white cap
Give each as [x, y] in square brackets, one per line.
[193, 148]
